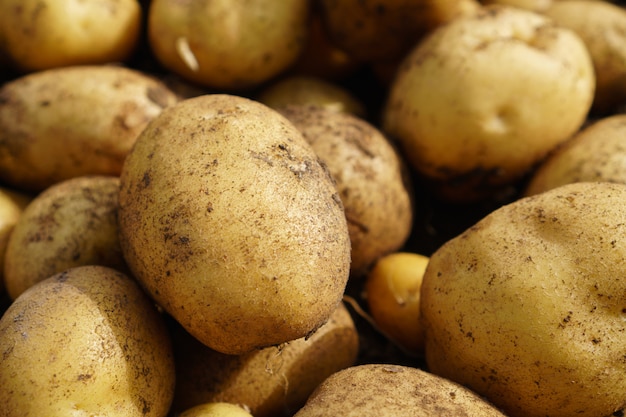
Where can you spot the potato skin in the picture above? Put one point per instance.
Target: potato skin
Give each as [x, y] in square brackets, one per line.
[87, 341]
[527, 306]
[95, 112]
[12, 204]
[232, 224]
[71, 223]
[270, 382]
[380, 390]
[484, 98]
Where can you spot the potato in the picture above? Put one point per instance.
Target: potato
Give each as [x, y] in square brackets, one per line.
[217, 409]
[72, 223]
[386, 30]
[44, 34]
[270, 382]
[85, 342]
[483, 99]
[12, 205]
[232, 224]
[602, 26]
[596, 153]
[392, 290]
[303, 90]
[228, 45]
[74, 121]
[526, 307]
[371, 179]
[380, 390]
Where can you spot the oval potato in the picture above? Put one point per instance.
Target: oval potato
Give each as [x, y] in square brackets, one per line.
[233, 225]
[73, 121]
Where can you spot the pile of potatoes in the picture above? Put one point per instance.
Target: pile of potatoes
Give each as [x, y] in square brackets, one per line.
[312, 208]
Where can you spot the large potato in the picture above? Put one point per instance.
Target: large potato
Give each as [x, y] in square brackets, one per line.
[73, 121]
[43, 34]
[232, 224]
[527, 306]
[484, 98]
[379, 390]
[371, 179]
[270, 382]
[72, 223]
[596, 153]
[228, 44]
[85, 342]
[602, 26]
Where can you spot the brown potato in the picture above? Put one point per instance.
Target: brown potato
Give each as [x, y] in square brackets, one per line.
[527, 309]
[380, 390]
[85, 342]
[270, 382]
[41, 34]
[233, 225]
[73, 121]
[484, 98]
[226, 44]
[72, 223]
[371, 178]
[596, 153]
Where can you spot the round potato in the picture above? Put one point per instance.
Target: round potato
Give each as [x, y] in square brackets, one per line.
[269, 382]
[70, 224]
[483, 99]
[85, 342]
[527, 308]
[371, 178]
[379, 390]
[602, 26]
[44, 34]
[12, 205]
[596, 153]
[216, 409]
[74, 121]
[226, 44]
[233, 225]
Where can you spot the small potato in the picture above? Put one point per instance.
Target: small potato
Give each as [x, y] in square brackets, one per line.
[44, 34]
[72, 223]
[392, 289]
[269, 382]
[596, 153]
[74, 121]
[12, 205]
[484, 98]
[233, 225]
[228, 44]
[371, 178]
[378, 390]
[302, 90]
[602, 26]
[217, 409]
[85, 342]
[527, 306]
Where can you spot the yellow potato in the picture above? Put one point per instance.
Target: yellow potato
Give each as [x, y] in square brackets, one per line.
[392, 290]
[85, 342]
[232, 224]
[43, 34]
[217, 409]
[483, 99]
[596, 153]
[380, 390]
[371, 179]
[269, 382]
[226, 44]
[527, 308]
[602, 26]
[72, 223]
[12, 205]
[74, 121]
